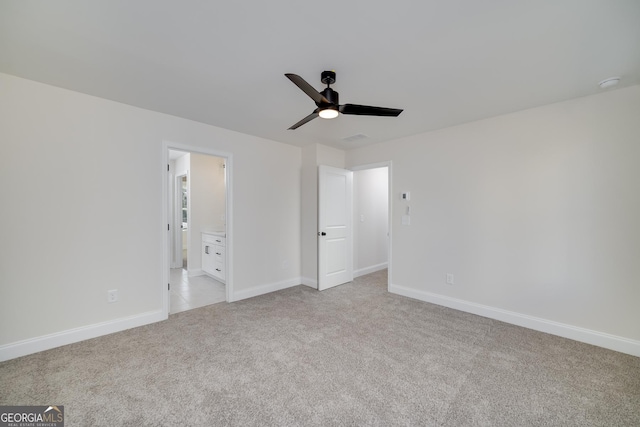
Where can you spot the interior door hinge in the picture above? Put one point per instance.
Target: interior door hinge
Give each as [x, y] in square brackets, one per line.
[168, 286]
[167, 227]
[167, 167]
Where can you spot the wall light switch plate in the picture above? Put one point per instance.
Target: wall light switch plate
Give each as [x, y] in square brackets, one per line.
[406, 220]
[449, 279]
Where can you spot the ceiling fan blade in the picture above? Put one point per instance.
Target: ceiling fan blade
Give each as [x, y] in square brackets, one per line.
[307, 88]
[305, 120]
[367, 110]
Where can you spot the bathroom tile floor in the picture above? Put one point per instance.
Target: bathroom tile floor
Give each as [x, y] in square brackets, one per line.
[193, 292]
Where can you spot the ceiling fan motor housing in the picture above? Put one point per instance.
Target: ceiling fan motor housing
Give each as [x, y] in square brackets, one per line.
[331, 95]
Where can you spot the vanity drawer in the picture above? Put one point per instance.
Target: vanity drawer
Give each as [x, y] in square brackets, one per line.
[212, 239]
[219, 253]
[214, 256]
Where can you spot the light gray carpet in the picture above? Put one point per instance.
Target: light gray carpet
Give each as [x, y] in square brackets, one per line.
[351, 355]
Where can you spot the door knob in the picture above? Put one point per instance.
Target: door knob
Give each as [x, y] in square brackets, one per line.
[321, 233]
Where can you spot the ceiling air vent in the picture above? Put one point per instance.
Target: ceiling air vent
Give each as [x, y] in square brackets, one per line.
[355, 137]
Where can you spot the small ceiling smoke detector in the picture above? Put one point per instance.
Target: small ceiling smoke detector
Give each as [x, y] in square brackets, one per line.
[610, 82]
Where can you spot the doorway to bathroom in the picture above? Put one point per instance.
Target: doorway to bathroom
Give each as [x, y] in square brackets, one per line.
[197, 205]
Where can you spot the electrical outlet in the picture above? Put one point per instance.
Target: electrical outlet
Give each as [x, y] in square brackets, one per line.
[449, 279]
[112, 295]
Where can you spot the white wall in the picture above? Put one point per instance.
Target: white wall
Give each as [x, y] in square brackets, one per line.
[535, 213]
[309, 211]
[79, 218]
[370, 220]
[207, 202]
[182, 164]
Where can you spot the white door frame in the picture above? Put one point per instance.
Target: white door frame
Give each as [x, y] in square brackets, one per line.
[387, 164]
[166, 208]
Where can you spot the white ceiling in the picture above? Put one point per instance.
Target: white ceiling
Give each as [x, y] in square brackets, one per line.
[223, 62]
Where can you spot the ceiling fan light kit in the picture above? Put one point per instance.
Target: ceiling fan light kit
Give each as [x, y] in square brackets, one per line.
[328, 113]
[328, 104]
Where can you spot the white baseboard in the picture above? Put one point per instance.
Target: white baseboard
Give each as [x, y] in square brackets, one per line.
[312, 283]
[370, 269]
[600, 339]
[47, 342]
[265, 289]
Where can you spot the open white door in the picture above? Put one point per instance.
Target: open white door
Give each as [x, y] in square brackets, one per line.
[335, 234]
